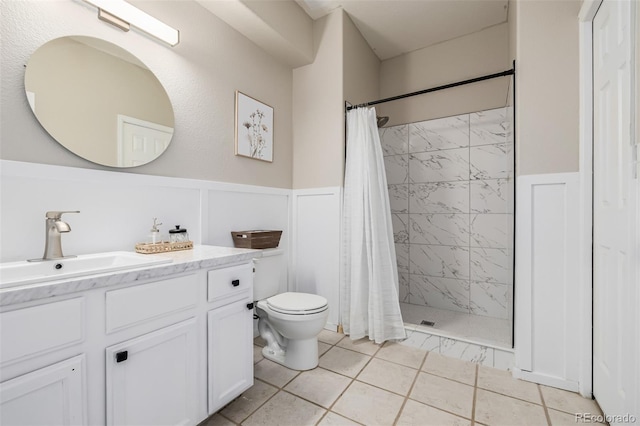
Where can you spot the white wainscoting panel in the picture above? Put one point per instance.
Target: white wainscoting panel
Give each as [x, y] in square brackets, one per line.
[117, 208]
[114, 213]
[238, 211]
[547, 291]
[316, 246]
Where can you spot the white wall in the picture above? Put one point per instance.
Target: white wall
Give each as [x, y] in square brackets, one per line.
[547, 86]
[281, 28]
[345, 68]
[200, 76]
[361, 66]
[318, 111]
[473, 55]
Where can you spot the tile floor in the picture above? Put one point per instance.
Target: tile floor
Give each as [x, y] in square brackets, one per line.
[363, 383]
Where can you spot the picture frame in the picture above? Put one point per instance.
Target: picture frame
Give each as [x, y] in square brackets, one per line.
[254, 128]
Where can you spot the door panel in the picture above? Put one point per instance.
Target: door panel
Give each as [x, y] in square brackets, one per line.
[142, 144]
[140, 141]
[54, 395]
[152, 379]
[615, 215]
[230, 332]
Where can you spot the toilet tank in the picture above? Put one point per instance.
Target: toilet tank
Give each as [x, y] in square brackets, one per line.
[271, 274]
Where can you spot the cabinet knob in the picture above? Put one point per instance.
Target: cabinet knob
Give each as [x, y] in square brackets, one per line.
[235, 283]
[250, 305]
[122, 356]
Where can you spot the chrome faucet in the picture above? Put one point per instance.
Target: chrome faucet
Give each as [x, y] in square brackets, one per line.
[54, 228]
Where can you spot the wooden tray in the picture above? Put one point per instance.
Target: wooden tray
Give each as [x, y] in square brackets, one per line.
[153, 248]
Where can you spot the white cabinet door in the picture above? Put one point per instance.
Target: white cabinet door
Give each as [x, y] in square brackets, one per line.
[152, 379]
[53, 395]
[230, 330]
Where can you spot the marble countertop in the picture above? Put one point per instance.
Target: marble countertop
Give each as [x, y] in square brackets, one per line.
[200, 257]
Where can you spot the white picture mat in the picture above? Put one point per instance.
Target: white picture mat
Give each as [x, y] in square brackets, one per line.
[245, 106]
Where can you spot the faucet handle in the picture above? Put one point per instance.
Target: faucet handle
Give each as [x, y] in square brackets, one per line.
[58, 214]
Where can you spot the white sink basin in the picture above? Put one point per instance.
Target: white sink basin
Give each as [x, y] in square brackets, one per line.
[14, 274]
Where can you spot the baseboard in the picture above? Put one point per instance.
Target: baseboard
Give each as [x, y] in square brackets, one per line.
[547, 380]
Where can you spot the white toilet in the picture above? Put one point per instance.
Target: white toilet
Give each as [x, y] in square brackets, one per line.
[289, 322]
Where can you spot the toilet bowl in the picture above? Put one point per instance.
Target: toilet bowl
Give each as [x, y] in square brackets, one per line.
[290, 324]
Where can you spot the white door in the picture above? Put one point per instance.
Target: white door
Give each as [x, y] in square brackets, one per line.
[152, 379]
[615, 210]
[230, 330]
[53, 395]
[140, 142]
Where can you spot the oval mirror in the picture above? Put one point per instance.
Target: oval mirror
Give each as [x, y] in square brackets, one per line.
[99, 101]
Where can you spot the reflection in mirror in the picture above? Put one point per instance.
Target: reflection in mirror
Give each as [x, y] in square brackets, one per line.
[99, 101]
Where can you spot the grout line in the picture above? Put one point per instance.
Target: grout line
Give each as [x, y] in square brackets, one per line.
[340, 396]
[448, 378]
[402, 365]
[329, 410]
[365, 366]
[290, 380]
[204, 422]
[475, 394]
[544, 406]
[281, 389]
[415, 379]
[351, 350]
[469, 231]
[511, 396]
[383, 389]
[257, 408]
[458, 415]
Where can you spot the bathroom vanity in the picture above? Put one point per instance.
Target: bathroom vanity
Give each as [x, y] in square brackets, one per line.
[163, 344]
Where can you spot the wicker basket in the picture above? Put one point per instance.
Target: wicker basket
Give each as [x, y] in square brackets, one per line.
[154, 248]
[256, 239]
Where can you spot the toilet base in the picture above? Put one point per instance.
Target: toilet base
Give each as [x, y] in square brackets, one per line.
[298, 355]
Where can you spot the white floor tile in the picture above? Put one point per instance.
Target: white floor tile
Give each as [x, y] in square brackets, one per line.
[343, 361]
[446, 394]
[273, 373]
[368, 405]
[496, 409]
[320, 386]
[389, 376]
[286, 409]
[417, 414]
[249, 401]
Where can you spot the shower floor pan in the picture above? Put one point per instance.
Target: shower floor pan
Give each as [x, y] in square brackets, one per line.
[483, 340]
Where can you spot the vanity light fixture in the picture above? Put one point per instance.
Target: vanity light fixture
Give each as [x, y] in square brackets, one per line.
[123, 15]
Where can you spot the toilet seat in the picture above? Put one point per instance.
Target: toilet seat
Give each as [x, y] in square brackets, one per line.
[297, 303]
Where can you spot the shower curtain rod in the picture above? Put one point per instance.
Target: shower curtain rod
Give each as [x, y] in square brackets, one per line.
[512, 71]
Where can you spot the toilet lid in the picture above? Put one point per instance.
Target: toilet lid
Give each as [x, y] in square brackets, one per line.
[297, 303]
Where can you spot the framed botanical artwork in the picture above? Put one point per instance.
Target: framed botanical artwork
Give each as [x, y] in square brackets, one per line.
[254, 128]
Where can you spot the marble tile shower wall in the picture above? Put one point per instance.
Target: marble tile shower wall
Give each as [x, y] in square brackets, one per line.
[451, 192]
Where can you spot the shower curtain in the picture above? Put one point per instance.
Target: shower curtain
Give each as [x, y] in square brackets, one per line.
[369, 280]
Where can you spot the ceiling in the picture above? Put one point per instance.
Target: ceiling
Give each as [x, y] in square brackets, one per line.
[394, 27]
